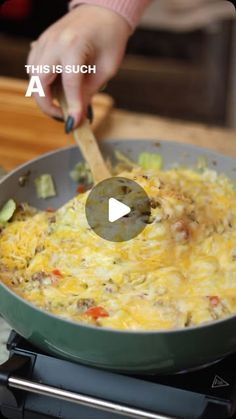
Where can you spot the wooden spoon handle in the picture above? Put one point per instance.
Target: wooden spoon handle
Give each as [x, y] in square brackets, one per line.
[87, 143]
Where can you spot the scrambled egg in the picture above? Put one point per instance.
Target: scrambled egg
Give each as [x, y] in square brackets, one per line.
[179, 272]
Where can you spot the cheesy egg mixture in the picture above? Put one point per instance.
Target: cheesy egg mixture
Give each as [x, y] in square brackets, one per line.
[179, 272]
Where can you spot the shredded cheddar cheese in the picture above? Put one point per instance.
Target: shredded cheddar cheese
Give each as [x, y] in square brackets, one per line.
[179, 272]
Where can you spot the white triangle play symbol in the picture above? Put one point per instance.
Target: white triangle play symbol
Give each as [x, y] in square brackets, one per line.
[116, 210]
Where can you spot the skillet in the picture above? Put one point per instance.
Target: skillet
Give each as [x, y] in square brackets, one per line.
[125, 351]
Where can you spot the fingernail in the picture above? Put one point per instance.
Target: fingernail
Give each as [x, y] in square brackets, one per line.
[58, 118]
[90, 113]
[69, 124]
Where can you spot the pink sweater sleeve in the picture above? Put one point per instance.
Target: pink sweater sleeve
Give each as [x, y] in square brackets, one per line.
[131, 10]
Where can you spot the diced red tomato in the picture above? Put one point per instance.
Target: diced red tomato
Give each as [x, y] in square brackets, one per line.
[96, 312]
[50, 209]
[81, 189]
[214, 300]
[56, 272]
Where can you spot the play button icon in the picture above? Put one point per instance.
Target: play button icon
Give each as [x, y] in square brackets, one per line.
[117, 209]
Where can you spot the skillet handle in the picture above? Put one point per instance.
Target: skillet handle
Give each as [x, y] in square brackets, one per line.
[81, 399]
[14, 389]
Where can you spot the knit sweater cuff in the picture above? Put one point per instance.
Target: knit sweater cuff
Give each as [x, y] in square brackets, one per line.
[130, 10]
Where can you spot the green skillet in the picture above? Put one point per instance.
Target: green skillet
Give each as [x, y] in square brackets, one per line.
[126, 351]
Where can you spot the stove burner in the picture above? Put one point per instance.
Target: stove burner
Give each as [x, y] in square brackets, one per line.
[34, 385]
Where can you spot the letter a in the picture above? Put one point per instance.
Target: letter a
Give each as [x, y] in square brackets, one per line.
[35, 86]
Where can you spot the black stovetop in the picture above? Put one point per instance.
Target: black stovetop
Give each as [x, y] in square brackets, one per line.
[208, 393]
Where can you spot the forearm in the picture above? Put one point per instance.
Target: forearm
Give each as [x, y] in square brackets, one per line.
[130, 10]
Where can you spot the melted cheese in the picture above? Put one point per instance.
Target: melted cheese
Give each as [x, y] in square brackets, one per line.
[180, 271]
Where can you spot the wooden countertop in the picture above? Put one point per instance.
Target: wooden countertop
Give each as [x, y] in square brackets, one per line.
[26, 132]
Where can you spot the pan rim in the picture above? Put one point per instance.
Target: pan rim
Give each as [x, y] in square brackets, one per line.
[207, 325]
[112, 140]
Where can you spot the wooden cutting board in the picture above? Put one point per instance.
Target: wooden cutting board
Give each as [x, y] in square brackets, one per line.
[26, 132]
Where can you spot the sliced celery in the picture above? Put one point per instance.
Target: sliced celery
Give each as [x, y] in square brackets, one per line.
[81, 173]
[7, 211]
[45, 186]
[150, 161]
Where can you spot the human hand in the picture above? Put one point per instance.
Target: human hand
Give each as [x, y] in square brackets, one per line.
[86, 35]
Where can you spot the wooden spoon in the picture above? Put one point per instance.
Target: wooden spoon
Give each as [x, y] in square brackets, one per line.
[87, 142]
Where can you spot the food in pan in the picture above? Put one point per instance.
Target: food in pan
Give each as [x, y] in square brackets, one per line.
[45, 186]
[179, 272]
